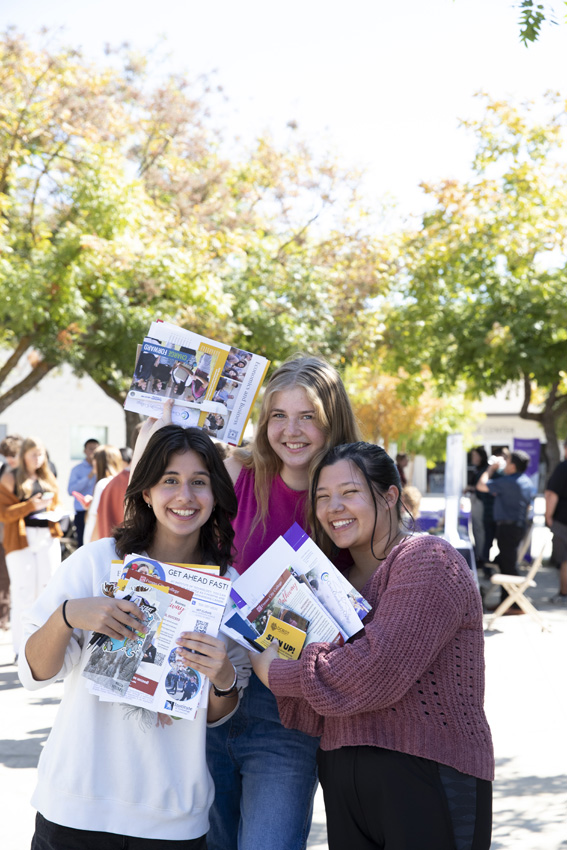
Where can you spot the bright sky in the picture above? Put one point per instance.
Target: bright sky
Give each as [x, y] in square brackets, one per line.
[381, 82]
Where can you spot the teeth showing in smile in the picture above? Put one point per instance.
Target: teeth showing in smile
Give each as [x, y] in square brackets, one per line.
[296, 445]
[340, 523]
[179, 512]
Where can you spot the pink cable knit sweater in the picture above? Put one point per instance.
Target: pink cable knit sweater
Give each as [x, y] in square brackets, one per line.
[413, 679]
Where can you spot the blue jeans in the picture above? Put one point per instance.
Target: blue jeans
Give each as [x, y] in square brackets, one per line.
[265, 778]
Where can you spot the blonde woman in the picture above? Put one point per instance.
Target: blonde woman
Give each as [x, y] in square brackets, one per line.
[107, 462]
[31, 541]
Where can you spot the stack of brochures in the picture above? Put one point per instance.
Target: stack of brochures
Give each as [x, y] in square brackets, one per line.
[295, 594]
[214, 385]
[145, 670]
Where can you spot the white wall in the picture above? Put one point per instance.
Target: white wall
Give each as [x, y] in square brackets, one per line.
[501, 430]
[49, 410]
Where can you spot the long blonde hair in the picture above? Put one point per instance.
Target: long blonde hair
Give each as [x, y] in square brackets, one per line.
[334, 416]
[108, 461]
[24, 484]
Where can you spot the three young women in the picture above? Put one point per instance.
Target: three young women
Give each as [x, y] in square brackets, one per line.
[406, 758]
[107, 777]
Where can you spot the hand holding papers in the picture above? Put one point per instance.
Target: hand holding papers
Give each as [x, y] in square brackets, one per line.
[213, 385]
[295, 583]
[146, 670]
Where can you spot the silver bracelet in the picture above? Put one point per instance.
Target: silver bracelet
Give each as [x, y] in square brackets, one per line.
[227, 692]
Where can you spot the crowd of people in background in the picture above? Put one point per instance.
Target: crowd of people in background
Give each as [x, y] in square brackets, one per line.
[33, 520]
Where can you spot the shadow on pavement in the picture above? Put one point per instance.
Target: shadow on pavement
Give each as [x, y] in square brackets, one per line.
[9, 681]
[530, 786]
[24, 752]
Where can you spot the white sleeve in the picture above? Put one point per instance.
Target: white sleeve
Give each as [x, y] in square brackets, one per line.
[78, 577]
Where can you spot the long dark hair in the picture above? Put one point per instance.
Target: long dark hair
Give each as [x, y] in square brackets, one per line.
[216, 535]
[380, 473]
[481, 452]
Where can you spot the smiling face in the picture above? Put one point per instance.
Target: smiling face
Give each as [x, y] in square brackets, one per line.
[346, 511]
[293, 432]
[182, 501]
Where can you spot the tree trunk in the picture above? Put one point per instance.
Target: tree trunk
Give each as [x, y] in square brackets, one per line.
[548, 423]
[27, 384]
[132, 420]
[547, 419]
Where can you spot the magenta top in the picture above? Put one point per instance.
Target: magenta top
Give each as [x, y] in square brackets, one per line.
[285, 506]
[419, 661]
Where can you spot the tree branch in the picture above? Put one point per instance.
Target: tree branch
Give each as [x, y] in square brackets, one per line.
[42, 173]
[295, 237]
[15, 135]
[524, 414]
[14, 358]
[28, 383]
[561, 406]
[112, 392]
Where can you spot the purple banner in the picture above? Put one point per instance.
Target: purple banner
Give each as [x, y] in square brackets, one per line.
[532, 448]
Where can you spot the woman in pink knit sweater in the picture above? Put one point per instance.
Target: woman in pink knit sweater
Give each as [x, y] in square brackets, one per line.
[406, 758]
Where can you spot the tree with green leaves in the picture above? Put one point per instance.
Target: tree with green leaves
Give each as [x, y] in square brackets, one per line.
[408, 412]
[117, 207]
[87, 255]
[533, 15]
[481, 292]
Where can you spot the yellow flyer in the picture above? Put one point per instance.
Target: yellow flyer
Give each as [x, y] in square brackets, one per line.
[291, 639]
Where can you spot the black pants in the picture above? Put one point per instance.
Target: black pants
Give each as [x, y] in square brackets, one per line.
[51, 836]
[508, 537]
[378, 799]
[80, 526]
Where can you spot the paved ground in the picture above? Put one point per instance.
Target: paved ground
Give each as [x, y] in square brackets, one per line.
[526, 706]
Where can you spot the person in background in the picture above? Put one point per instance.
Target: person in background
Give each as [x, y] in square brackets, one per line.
[9, 449]
[126, 455]
[82, 480]
[556, 520]
[513, 496]
[111, 503]
[107, 462]
[402, 461]
[482, 512]
[411, 500]
[406, 759]
[31, 542]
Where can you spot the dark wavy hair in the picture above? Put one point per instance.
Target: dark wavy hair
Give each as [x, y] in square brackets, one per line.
[137, 531]
[380, 473]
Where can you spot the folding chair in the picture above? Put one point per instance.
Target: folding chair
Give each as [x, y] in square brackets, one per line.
[515, 587]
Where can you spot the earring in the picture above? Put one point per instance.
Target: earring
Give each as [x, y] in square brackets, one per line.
[149, 505]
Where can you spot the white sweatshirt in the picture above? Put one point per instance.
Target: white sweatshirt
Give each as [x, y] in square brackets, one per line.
[100, 770]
